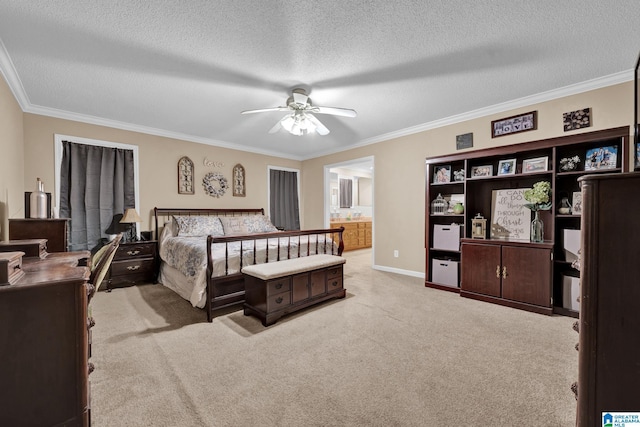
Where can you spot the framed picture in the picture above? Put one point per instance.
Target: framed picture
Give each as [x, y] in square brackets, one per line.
[480, 171]
[539, 164]
[638, 152]
[601, 158]
[442, 174]
[576, 203]
[514, 124]
[507, 167]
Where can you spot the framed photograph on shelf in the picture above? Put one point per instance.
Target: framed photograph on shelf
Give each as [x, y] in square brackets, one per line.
[442, 174]
[514, 124]
[539, 164]
[601, 158]
[576, 203]
[481, 171]
[507, 167]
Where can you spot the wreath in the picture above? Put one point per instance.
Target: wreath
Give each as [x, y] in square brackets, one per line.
[215, 190]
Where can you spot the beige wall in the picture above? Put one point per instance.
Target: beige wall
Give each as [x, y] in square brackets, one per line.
[399, 177]
[399, 203]
[158, 165]
[11, 159]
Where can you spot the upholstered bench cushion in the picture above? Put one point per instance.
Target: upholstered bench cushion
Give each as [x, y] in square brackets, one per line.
[288, 267]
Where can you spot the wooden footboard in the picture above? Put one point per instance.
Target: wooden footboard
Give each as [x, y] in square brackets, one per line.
[227, 290]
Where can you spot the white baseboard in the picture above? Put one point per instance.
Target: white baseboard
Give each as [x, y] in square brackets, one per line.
[399, 271]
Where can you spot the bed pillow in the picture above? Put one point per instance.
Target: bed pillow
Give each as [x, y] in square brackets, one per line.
[233, 225]
[190, 226]
[259, 224]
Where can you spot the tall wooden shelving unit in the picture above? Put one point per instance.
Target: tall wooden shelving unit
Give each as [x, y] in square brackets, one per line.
[477, 194]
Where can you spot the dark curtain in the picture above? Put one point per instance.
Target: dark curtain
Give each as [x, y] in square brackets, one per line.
[96, 186]
[284, 206]
[346, 193]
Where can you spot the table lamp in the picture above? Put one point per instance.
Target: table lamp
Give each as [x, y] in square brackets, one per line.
[131, 217]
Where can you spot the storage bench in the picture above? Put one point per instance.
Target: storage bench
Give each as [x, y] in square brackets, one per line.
[275, 289]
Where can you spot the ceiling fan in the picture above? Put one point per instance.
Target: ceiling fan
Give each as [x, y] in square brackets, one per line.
[300, 119]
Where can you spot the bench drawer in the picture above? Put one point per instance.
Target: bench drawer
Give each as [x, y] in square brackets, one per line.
[279, 285]
[278, 301]
[334, 284]
[333, 272]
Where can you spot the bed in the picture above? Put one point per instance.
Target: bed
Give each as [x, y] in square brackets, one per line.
[202, 251]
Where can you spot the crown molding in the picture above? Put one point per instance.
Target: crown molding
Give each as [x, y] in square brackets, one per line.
[11, 77]
[574, 89]
[15, 84]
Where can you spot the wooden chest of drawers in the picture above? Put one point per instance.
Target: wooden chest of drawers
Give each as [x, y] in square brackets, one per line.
[10, 267]
[133, 262]
[31, 247]
[356, 235]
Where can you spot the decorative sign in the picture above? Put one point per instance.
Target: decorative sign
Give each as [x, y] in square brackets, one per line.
[510, 219]
[185, 176]
[212, 164]
[514, 124]
[238, 181]
[577, 119]
[464, 141]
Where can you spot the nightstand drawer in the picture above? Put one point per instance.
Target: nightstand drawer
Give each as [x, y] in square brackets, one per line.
[133, 266]
[133, 262]
[135, 250]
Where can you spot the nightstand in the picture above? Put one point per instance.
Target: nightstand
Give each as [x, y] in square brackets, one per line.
[133, 262]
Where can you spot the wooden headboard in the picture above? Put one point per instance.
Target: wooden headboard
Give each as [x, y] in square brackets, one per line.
[163, 215]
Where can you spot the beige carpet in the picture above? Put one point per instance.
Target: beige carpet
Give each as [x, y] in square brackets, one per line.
[393, 353]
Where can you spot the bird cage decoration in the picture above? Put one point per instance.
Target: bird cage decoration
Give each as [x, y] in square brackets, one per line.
[439, 205]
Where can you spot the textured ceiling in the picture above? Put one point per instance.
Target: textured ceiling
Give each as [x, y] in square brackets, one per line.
[186, 69]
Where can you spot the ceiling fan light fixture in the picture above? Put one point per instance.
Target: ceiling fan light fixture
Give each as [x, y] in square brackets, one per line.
[299, 121]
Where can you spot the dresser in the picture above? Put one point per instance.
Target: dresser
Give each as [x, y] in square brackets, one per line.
[608, 367]
[356, 235]
[44, 346]
[55, 230]
[133, 262]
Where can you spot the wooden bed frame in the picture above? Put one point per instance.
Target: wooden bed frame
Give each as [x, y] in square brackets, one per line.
[228, 290]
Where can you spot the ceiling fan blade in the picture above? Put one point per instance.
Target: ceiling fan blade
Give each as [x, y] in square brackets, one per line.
[345, 112]
[320, 128]
[300, 98]
[262, 110]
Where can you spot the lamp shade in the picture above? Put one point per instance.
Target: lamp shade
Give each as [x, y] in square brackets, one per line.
[130, 216]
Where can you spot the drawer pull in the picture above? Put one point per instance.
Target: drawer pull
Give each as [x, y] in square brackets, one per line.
[279, 300]
[133, 252]
[334, 283]
[279, 286]
[133, 267]
[91, 368]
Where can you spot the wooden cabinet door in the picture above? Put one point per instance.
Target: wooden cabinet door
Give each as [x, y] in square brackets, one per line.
[481, 269]
[300, 285]
[318, 282]
[526, 275]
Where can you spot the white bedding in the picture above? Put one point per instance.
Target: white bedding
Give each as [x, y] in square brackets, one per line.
[187, 256]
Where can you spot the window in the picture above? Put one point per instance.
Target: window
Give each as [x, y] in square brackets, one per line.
[284, 198]
[95, 182]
